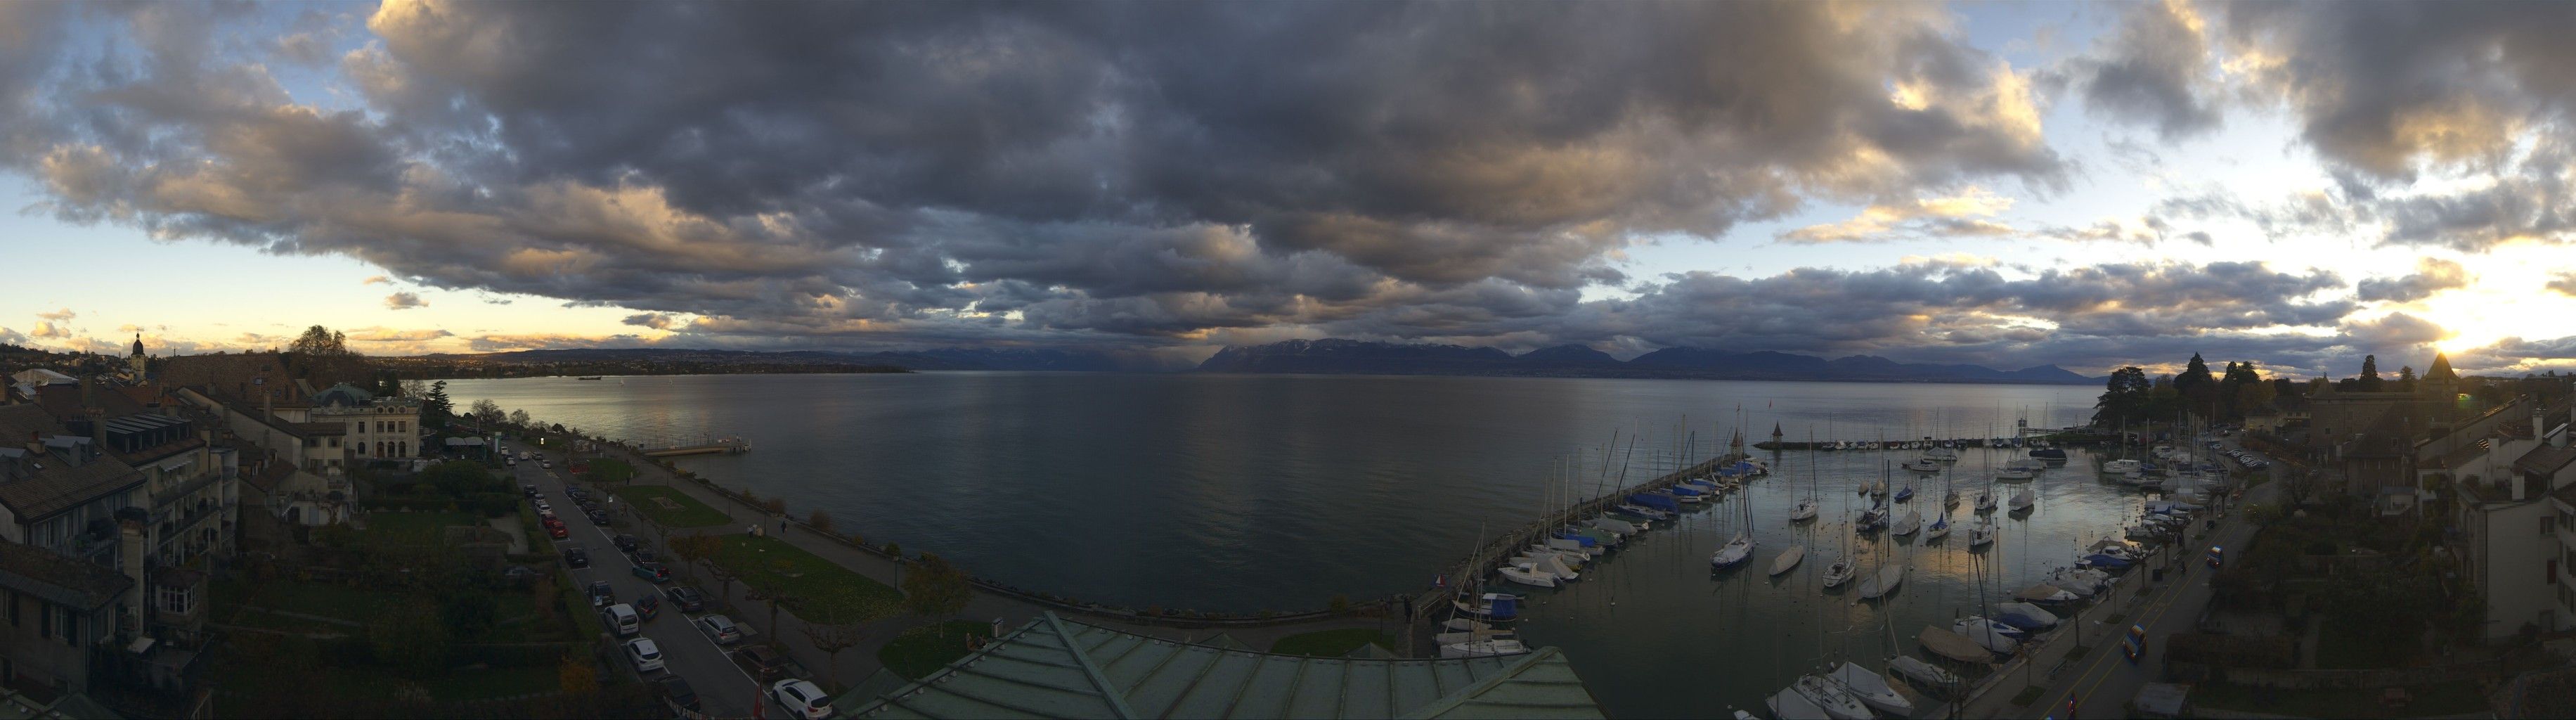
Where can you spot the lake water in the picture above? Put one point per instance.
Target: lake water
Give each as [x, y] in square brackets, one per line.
[1250, 492]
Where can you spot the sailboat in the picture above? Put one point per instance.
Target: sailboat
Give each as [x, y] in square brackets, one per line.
[1788, 559]
[1889, 576]
[1907, 525]
[1804, 511]
[1905, 493]
[1922, 673]
[1734, 553]
[1939, 528]
[1829, 697]
[1982, 533]
[2023, 500]
[1789, 705]
[1985, 501]
[1872, 690]
[1491, 647]
[1527, 574]
[2012, 474]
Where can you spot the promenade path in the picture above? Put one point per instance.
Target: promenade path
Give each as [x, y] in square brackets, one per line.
[2102, 682]
[858, 662]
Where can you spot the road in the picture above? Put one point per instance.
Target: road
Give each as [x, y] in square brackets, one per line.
[724, 689]
[2102, 684]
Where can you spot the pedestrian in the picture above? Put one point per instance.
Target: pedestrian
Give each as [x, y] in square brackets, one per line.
[782, 527]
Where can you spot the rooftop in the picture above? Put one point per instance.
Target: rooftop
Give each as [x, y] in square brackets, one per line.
[2546, 459]
[60, 579]
[1052, 667]
[57, 485]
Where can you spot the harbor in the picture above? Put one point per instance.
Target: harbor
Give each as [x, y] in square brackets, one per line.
[725, 446]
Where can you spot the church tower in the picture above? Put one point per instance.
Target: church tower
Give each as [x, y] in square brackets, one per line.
[137, 360]
[2440, 387]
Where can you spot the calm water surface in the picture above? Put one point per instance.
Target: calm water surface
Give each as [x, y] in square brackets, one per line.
[1250, 492]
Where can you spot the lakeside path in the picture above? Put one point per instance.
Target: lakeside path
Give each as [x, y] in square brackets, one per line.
[2103, 681]
[859, 662]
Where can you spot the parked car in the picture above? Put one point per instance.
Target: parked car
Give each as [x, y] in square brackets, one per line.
[686, 598]
[720, 628]
[558, 531]
[802, 698]
[589, 507]
[626, 543]
[676, 693]
[598, 517]
[543, 506]
[621, 619]
[601, 594]
[646, 656]
[648, 606]
[520, 574]
[643, 554]
[653, 571]
[531, 491]
[762, 661]
[577, 557]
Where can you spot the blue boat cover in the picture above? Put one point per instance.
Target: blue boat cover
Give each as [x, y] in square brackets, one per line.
[2105, 561]
[1659, 502]
[1585, 540]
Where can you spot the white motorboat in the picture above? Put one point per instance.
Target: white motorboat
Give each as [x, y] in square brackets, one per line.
[1788, 559]
[1906, 525]
[2023, 500]
[1459, 623]
[1940, 528]
[1734, 553]
[1922, 673]
[1872, 690]
[1520, 573]
[1549, 564]
[2030, 464]
[2119, 467]
[1483, 648]
[1829, 696]
[1838, 573]
[1985, 501]
[1885, 582]
[2012, 475]
[1804, 511]
[1927, 465]
[1622, 527]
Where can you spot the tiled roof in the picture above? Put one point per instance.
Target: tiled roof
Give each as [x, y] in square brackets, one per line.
[60, 484]
[1059, 669]
[58, 578]
[2545, 459]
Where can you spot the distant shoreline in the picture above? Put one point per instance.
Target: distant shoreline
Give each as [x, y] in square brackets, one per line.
[1531, 376]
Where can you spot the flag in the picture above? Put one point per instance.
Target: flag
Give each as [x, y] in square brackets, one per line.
[1440, 581]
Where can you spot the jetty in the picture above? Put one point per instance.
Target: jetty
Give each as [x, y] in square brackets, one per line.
[1429, 605]
[725, 446]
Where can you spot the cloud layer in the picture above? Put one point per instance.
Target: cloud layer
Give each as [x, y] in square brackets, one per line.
[1156, 177]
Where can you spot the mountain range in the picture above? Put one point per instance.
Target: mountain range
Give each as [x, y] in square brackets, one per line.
[1337, 356]
[942, 359]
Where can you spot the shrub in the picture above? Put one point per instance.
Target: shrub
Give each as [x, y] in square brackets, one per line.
[821, 521]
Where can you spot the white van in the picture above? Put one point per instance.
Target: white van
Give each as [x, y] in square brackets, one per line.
[621, 619]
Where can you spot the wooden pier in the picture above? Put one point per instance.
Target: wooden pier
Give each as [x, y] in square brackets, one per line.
[727, 446]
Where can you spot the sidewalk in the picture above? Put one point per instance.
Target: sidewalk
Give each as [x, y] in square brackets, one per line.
[860, 661]
[2175, 602]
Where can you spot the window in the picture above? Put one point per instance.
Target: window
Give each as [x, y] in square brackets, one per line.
[44, 620]
[2547, 527]
[174, 600]
[2553, 571]
[10, 597]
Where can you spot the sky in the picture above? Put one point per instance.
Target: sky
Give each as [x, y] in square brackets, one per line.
[2007, 184]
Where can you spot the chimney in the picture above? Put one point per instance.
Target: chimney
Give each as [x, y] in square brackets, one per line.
[129, 557]
[2537, 432]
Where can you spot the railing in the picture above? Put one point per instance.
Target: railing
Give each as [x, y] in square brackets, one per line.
[189, 488]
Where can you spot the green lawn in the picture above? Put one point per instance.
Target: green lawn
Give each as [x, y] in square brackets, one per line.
[1332, 643]
[924, 650]
[609, 470]
[2425, 701]
[415, 528]
[689, 514]
[323, 599]
[821, 589]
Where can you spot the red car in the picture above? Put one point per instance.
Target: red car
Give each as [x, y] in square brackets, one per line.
[558, 531]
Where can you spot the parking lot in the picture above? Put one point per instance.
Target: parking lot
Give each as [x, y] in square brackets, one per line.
[724, 687]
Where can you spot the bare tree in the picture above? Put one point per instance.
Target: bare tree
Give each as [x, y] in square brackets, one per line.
[832, 638]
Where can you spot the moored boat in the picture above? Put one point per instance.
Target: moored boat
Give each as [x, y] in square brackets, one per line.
[1788, 559]
[1871, 689]
[1948, 644]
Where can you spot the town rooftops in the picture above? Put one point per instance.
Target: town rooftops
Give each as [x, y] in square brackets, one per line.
[2545, 460]
[1056, 668]
[58, 578]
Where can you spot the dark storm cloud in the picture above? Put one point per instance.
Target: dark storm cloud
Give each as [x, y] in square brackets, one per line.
[1139, 166]
[2431, 275]
[2155, 72]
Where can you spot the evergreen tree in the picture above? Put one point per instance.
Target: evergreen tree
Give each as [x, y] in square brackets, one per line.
[2124, 397]
[435, 407]
[2369, 380]
[2406, 378]
[2195, 389]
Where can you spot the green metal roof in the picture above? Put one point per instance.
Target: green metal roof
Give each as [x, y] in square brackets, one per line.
[1058, 669]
